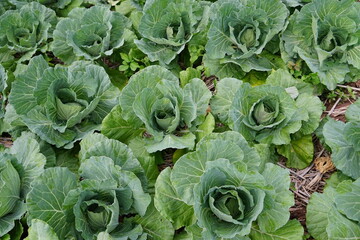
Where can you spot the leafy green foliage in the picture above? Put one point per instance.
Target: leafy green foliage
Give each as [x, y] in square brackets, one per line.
[222, 186]
[164, 119]
[239, 32]
[169, 113]
[324, 34]
[111, 188]
[335, 213]
[82, 35]
[62, 104]
[24, 31]
[167, 26]
[343, 139]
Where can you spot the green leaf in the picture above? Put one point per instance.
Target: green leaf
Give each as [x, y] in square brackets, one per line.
[277, 201]
[206, 127]
[352, 114]
[21, 96]
[345, 155]
[313, 106]
[156, 52]
[46, 200]
[348, 203]
[147, 161]
[292, 230]
[318, 210]
[169, 204]
[200, 95]
[299, 152]
[171, 141]
[29, 160]
[150, 223]
[41, 230]
[187, 75]
[225, 93]
[222, 69]
[116, 127]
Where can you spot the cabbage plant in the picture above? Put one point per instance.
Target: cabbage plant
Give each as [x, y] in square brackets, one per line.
[108, 199]
[240, 30]
[18, 167]
[153, 102]
[62, 104]
[89, 33]
[26, 30]
[167, 25]
[334, 214]
[325, 35]
[227, 190]
[267, 113]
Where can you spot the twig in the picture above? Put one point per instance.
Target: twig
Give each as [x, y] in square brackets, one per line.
[353, 88]
[333, 107]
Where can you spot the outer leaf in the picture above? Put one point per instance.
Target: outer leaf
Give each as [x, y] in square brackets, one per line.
[199, 93]
[41, 230]
[116, 127]
[348, 202]
[345, 155]
[225, 93]
[352, 114]
[29, 159]
[150, 223]
[318, 211]
[21, 93]
[206, 128]
[169, 204]
[314, 108]
[155, 52]
[292, 230]
[275, 214]
[45, 200]
[171, 141]
[222, 68]
[147, 161]
[299, 152]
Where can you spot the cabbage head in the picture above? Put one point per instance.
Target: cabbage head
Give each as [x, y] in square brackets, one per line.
[108, 200]
[240, 31]
[231, 190]
[325, 34]
[154, 103]
[89, 33]
[62, 104]
[167, 25]
[26, 30]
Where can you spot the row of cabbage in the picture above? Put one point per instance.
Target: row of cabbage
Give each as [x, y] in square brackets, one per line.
[62, 179]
